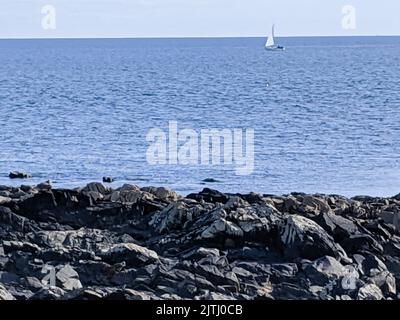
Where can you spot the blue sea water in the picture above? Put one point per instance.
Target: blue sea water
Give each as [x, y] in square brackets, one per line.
[325, 112]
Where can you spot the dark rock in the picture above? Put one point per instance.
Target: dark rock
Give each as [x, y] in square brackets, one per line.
[393, 265]
[26, 188]
[33, 283]
[19, 194]
[83, 239]
[302, 237]
[130, 253]
[387, 216]
[324, 270]
[10, 246]
[378, 229]
[199, 253]
[71, 199]
[17, 222]
[209, 195]
[127, 294]
[162, 193]
[108, 179]
[172, 217]
[85, 294]
[127, 194]
[386, 282]
[95, 273]
[97, 242]
[49, 293]
[339, 227]
[19, 175]
[95, 187]
[211, 180]
[252, 197]
[289, 291]
[361, 243]
[44, 185]
[221, 229]
[20, 293]
[36, 205]
[9, 278]
[279, 272]
[315, 205]
[94, 196]
[372, 265]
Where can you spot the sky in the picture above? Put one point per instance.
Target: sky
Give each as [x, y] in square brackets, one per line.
[196, 18]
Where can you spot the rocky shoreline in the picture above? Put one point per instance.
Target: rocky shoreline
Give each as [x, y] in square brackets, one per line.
[151, 243]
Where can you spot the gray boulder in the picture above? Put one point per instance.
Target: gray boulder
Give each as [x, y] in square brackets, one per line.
[324, 270]
[132, 254]
[68, 278]
[370, 292]
[95, 187]
[302, 237]
[4, 294]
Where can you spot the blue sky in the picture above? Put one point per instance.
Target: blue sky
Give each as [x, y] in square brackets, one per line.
[196, 18]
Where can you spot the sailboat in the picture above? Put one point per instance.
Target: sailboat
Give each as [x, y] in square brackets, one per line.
[270, 45]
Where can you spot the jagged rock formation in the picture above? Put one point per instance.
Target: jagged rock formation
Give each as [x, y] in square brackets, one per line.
[151, 243]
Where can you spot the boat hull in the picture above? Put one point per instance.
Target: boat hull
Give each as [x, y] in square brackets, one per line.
[275, 48]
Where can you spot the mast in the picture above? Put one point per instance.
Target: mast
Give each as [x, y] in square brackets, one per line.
[270, 40]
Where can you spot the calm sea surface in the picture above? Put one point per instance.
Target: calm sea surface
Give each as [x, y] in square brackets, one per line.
[326, 113]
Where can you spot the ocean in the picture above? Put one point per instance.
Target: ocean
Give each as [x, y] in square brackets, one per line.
[325, 112]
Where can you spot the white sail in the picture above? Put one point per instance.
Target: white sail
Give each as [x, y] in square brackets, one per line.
[271, 41]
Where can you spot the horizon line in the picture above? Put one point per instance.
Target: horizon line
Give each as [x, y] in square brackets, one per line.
[195, 37]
